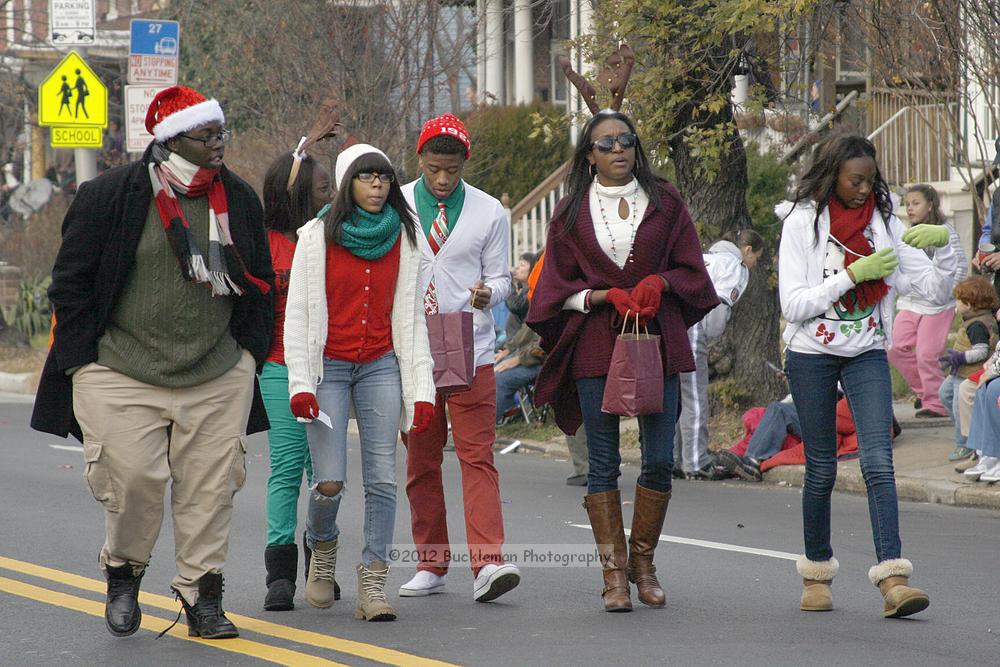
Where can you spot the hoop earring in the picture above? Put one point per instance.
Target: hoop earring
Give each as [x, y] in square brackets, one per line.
[592, 169]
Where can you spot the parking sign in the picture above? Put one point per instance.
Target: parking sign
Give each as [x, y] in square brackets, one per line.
[154, 52]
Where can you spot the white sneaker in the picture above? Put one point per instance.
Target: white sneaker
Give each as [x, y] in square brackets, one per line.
[985, 463]
[423, 583]
[494, 580]
[993, 474]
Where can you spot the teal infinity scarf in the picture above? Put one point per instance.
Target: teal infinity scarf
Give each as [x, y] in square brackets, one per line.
[370, 235]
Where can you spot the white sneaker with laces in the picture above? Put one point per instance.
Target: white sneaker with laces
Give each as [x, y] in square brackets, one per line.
[985, 463]
[422, 584]
[993, 474]
[494, 580]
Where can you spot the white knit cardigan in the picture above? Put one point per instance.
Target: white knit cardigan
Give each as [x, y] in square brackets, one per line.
[306, 324]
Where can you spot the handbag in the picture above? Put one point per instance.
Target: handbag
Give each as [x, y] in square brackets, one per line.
[634, 384]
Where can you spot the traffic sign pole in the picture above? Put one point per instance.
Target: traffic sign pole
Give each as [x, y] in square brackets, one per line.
[85, 159]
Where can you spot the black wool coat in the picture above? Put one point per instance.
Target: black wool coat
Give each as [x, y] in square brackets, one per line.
[100, 235]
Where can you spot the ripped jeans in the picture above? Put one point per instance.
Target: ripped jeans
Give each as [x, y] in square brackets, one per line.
[374, 391]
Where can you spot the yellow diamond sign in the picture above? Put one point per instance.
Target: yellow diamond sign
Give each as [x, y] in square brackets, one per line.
[73, 95]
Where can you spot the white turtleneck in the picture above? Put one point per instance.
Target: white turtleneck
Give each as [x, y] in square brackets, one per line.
[610, 227]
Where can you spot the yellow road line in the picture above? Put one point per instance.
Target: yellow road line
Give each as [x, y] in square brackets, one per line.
[281, 656]
[360, 649]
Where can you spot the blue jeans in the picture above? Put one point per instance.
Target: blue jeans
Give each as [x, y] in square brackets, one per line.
[949, 397]
[656, 435]
[868, 387]
[375, 391]
[778, 421]
[508, 382]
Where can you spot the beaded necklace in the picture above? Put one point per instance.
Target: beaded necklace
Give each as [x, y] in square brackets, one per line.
[607, 224]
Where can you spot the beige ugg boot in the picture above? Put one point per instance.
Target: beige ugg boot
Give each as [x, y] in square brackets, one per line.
[892, 578]
[322, 567]
[816, 577]
[372, 605]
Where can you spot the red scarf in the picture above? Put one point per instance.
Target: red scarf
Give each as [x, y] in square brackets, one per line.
[847, 225]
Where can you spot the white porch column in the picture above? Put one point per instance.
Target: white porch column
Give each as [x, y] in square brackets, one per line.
[581, 22]
[524, 56]
[493, 53]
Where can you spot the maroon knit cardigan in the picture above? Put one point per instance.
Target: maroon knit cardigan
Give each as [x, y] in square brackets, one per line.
[580, 345]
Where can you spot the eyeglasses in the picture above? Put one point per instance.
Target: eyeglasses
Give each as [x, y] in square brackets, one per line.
[607, 144]
[220, 138]
[368, 177]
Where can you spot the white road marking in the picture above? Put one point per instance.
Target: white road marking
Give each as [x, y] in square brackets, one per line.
[721, 546]
[67, 448]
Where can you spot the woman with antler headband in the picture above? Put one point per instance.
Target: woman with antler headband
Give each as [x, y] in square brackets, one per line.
[620, 242]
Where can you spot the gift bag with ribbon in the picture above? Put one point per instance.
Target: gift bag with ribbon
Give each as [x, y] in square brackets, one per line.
[635, 378]
[452, 342]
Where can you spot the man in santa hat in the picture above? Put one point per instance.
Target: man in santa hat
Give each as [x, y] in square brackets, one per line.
[465, 245]
[161, 291]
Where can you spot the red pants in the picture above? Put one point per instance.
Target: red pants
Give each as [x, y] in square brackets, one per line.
[473, 427]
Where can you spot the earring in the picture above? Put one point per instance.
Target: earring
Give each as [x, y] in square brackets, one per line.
[593, 170]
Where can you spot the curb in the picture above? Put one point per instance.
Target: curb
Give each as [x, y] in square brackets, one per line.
[849, 480]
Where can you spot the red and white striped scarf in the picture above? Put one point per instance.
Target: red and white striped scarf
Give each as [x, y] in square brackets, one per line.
[169, 173]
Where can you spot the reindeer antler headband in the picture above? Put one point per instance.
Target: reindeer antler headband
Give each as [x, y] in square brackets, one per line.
[327, 125]
[615, 75]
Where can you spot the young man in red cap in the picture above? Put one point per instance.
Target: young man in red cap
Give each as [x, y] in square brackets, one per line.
[465, 244]
[162, 294]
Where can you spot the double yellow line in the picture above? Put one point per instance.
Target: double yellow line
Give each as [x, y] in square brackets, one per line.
[275, 654]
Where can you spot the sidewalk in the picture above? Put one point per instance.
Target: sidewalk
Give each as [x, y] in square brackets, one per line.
[920, 454]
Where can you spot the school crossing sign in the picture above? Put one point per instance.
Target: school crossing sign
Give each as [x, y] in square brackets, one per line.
[72, 96]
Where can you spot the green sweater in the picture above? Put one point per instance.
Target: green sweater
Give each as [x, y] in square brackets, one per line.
[164, 330]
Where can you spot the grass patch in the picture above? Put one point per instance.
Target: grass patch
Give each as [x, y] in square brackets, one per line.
[519, 430]
[22, 359]
[900, 387]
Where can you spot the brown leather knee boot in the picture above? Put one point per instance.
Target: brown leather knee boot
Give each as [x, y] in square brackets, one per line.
[605, 512]
[647, 522]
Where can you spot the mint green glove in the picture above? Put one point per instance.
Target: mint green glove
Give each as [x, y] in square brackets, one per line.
[875, 266]
[926, 236]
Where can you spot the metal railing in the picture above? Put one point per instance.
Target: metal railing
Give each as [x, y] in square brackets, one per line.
[529, 218]
[916, 142]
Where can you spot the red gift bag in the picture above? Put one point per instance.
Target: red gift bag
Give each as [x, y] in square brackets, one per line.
[635, 378]
[453, 345]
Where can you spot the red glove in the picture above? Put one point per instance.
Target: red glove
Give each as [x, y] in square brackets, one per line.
[623, 302]
[423, 413]
[647, 294]
[304, 405]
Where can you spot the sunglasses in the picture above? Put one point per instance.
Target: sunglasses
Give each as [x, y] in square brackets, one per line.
[607, 144]
[368, 177]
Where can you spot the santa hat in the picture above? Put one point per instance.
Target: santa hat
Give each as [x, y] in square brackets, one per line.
[178, 109]
[447, 125]
[349, 156]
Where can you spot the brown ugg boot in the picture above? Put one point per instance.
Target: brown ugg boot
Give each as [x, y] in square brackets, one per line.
[605, 512]
[647, 521]
[816, 577]
[892, 578]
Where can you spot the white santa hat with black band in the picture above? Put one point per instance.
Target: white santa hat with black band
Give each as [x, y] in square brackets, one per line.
[177, 109]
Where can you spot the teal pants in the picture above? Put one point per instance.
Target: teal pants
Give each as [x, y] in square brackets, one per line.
[289, 454]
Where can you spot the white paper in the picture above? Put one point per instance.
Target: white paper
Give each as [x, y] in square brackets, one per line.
[322, 418]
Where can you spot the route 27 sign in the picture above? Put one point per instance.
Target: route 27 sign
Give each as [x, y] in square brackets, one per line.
[154, 52]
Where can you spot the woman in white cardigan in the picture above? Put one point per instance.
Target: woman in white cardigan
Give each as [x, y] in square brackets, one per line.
[356, 345]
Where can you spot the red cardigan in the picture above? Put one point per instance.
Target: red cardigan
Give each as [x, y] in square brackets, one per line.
[580, 345]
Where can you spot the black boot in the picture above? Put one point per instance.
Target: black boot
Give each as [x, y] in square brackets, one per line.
[206, 619]
[282, 563]
[121, 611]
[305, 573]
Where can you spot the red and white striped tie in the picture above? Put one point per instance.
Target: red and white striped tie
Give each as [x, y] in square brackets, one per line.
[436, 239]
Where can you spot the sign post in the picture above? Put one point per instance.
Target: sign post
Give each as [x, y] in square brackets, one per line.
[72, 22]
[154, 52]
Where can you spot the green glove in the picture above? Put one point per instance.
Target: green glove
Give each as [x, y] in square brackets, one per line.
[875, 266]
[926, 236]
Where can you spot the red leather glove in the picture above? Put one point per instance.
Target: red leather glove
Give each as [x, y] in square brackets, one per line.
[647, 294]
[304, 405]
[423, 413]
[623, 302]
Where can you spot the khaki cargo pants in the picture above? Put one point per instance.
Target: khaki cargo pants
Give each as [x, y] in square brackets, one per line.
[137, 437]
